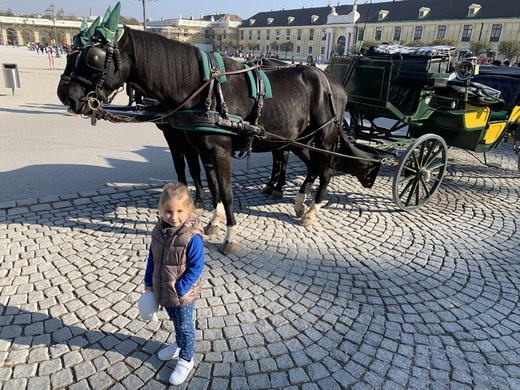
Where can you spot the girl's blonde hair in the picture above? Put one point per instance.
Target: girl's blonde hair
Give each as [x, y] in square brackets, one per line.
[175, 191]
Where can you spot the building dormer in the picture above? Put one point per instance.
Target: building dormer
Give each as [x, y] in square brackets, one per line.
[314, 18]
[423, 11]
[290, 19]
[473, 9]
[270, 20]
[252, 21]
[382, 14]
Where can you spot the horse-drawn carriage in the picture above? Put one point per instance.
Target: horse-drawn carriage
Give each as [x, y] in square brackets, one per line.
[236, 107]
[415, 98]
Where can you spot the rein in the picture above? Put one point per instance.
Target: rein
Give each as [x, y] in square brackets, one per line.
[125, 118]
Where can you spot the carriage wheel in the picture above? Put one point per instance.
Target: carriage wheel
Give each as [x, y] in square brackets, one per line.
[420, 172]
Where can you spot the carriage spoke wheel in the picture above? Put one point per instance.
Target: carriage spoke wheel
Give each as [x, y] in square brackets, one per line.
[420, 172]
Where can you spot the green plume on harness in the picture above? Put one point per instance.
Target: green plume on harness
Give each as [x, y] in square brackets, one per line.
[84, 25]
[85, 34]
[107, 30]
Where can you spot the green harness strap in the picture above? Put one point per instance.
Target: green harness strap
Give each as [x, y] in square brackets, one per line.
[252, 84]
[206, 69]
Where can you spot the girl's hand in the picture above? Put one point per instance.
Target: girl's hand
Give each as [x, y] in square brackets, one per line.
[148, 288]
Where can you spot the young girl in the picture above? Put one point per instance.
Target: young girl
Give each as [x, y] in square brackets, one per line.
[173, 270]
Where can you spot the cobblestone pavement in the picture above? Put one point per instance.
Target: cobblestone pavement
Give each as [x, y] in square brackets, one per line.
[368, 298]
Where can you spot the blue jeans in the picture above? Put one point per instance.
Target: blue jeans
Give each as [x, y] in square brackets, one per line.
[182, 318]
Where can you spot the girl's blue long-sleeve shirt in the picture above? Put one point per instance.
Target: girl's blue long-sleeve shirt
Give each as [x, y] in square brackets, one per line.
[194, 266]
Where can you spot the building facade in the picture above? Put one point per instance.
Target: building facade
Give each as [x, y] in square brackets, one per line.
[209, 32]
[18, 30]
[331, 30]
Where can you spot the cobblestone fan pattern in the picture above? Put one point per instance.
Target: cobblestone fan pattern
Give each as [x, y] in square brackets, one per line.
[369, 297]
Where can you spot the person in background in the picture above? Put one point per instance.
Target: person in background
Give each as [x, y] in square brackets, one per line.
[310, 61]
[482, 59]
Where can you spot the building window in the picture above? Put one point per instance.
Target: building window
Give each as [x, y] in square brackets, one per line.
[277, 34]
[258, 32]
[496, 31]
[309, 51]
[206, 34]
[186, 32]
[323, 35]
[298, 49]
[417, 35]
[441, 32]
[322, 50]
[361, 34]
[311, 34]
[288, 35]
[267, 34]
[466, 33]
[379, 32]
[250, 35]
[299, 34]
[397, 34]
[241, 34]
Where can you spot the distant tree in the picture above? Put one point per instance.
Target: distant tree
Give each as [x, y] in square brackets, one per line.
[232, 45]
[478, 48]
[129, 21]
[253, 46]
[287, 47]
[509, 49]
[443, 42]
[416, 43]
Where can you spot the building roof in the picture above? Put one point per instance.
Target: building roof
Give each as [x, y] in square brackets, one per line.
[404, 10]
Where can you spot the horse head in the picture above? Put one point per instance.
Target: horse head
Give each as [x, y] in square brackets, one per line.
[97, 71]
[79, 41]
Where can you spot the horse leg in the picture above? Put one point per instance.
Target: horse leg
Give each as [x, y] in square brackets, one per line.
[176, 151]
[310, 178]
[213, 225]
[222, 164]
[278, 189]
[274, 186]
[182, 152]
[192, 158]
[324, 166]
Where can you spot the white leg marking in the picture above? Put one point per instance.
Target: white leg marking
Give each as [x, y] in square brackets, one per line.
[299, 204]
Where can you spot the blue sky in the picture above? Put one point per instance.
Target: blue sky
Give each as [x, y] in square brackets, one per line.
[164, 8]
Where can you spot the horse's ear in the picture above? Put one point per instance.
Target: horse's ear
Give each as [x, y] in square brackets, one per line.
[107, 14]
[84, 24]
[107, 29]
[113, 20]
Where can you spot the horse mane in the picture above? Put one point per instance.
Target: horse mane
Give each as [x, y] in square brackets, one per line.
[168, 67]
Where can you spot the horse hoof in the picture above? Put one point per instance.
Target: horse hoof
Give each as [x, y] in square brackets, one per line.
[198, 211]
[211, 230]
[306, 221]
[277, 195]
[268, 190]
[228, 247]
[300, 212]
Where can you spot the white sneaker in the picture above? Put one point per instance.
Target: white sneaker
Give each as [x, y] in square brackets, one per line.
[181, 371]
[170, 352]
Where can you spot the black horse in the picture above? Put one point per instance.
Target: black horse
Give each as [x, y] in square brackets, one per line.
[307, 106]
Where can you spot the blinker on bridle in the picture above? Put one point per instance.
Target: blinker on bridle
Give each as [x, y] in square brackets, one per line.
[99, 60]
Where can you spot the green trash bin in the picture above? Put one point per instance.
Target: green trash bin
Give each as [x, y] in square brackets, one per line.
[11, 77]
